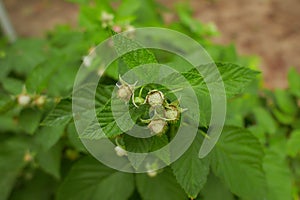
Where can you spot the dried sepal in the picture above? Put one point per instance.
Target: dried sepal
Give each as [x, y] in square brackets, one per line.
[125, 90]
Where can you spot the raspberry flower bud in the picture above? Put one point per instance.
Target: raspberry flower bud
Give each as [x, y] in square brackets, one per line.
[23, 99]
[28, 157]
[40, 100]
[155, 98]
[151, 169]
[120, 151]
[157, 126]
[151, 173]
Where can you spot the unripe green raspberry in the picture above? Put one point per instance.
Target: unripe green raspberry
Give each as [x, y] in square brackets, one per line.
[40, 101]
[155, 98]
[172, 113]
[157, 126]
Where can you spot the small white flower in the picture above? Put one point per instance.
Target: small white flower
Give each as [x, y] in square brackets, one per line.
[107, 19]
[105, 16]
[157, 126]
[130, 28]
[120, 151]
[24, 99]
[155, 98]
[87, 61]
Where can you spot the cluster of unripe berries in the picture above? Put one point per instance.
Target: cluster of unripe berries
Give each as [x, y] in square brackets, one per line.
[163, 112]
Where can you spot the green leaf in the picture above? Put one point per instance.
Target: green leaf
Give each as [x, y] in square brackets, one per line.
[214, 189]
[39, 78]
[50, 159]
[29, 119]
[285, 102]
[11, 162]
[283, 117]
[127, 8]
[12, 85]
[234, 77]
[41, 186]
[74, 138]
[278, 175]
[158, 143]
[103, 95]
[294, 82]
[61, 115]
[137, 145]
[48, 136]
[6, 103]
[191, 171]
[24, 55]
[134, 57]
[145, 145]
[102, 99]
[108, 120]
[237, 159]
[95, 181]
[265, 120]
[147, 14]
[240, 108]
[293, 147]
[163, 186]
[66, 74]
[108, 123]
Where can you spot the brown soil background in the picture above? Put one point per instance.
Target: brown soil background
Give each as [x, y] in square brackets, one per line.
[267, 28]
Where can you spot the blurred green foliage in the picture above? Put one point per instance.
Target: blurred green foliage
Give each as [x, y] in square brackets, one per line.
[41, 156]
